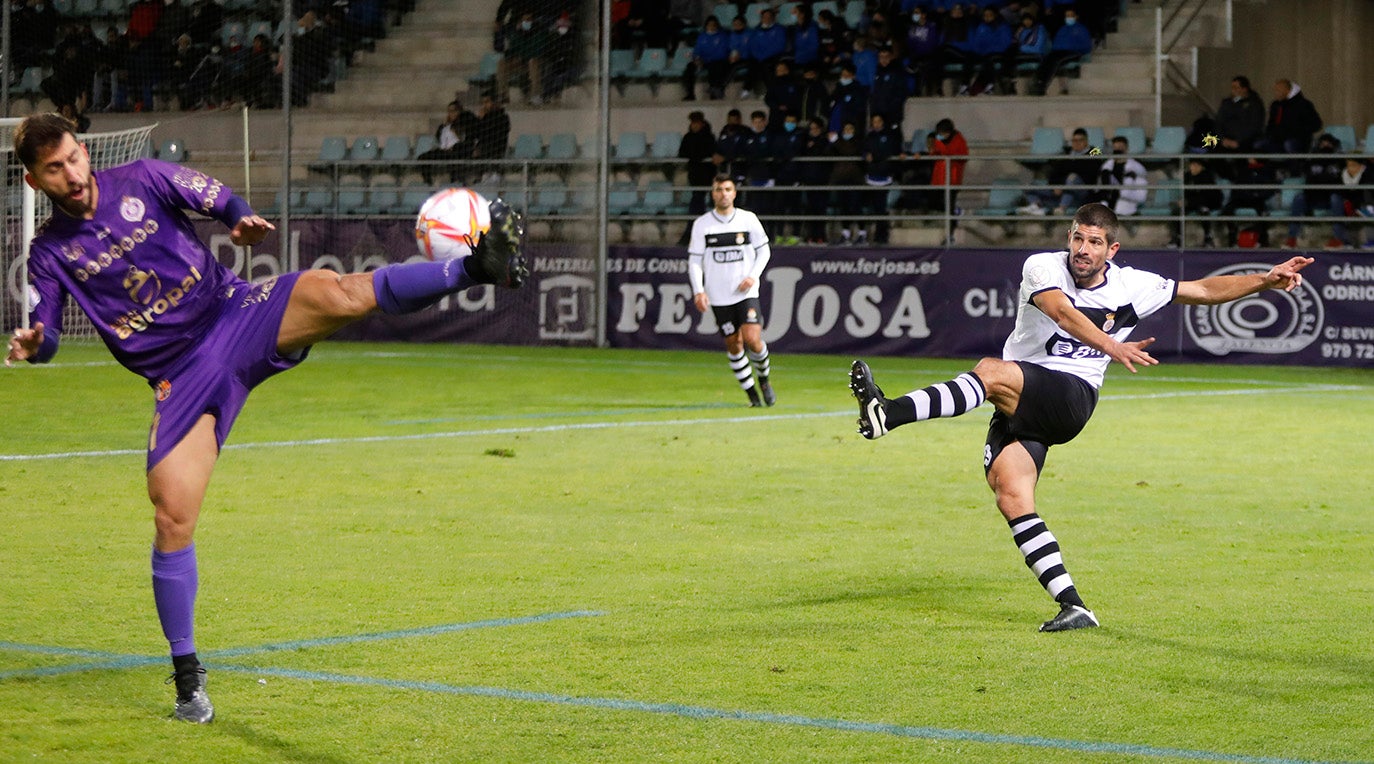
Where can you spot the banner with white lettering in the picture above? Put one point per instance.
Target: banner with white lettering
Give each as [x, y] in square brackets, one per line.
[929, 302]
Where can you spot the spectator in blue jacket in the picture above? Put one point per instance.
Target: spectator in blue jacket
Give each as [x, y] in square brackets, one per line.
[923, 41]
[767, 44]
[865, 61]
[955, 31]
[889, 89]
[882, 146]
[806, 37]
[848, 101]
[989, 44]
[784, 94]
[1032, 44]
[791, 144]
[711, 52]
[740, 56]
[1072, 42]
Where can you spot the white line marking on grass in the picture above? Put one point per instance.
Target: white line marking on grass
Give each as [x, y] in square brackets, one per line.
[608, 425]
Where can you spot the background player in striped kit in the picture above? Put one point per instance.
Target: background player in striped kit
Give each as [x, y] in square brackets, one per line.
[1076, 309]
[725, 259]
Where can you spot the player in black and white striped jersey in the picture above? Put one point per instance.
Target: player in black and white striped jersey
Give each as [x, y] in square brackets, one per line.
[1075, 311]
[725, 260]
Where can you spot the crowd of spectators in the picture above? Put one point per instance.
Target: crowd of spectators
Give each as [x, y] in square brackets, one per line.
[540, 46]
[180, 52]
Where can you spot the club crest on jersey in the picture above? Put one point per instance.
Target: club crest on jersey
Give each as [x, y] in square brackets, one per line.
[1109, 322]
[739, 238]
[131, 209]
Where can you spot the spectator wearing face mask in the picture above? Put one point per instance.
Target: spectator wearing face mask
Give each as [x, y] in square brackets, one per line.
[791, 143]
[923, 41]
[848, 101]
[1121, 182]
[523, 60]
[847, 179]
[767, 44]
[712, 53]
[1072, 42]
[561, 57]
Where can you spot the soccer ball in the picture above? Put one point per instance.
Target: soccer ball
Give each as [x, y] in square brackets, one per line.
[451, 222]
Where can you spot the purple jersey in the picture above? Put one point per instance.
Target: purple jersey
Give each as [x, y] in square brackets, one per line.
[137, 268]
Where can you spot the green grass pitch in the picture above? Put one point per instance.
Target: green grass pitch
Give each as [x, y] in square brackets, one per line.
[447, 553]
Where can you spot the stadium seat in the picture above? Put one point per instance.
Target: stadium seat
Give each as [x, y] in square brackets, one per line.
[1169, 139]
[826, 5]
[853, 13]
[666, 143]
[424, 143]
[364, 149]
[333, 149]
[382, 200]
[1161, 201]
[622, 199]
[1096, 137]
[1135, 140]
[172, 150]
[413, 197]
[1368, 144]
[753, 14]
[30, 84]
[259, 27]
[681, 57]
[317, 201]
[486, 70]
[276, 207]
[549, 199]
[622, 68]
[785, 14]
[632, 145]
[652, 64]
[528, 146]
[658, 198]
[352, 201]
[725, 13]
[918, 140]
[1291, 188]
[64, 7]
[85, 8]
[1046, 142]
[562, 146]
[1345, 134]
[1002, 198]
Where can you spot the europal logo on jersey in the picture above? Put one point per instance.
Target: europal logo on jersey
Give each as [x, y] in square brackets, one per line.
[131, 208]
[1272, 321]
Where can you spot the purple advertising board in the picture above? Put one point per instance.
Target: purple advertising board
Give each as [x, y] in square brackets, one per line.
[929, 302]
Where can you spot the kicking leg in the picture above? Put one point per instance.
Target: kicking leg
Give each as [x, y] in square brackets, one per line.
[1012, 475]
[991, 380]
[177, 487]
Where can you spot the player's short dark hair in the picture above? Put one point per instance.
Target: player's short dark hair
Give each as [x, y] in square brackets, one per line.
[1099, 215]
[722, 177]
[1242, 80]
[38, 133]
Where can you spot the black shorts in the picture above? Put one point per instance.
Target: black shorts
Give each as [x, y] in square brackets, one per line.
[731, 317]
[1054, 408]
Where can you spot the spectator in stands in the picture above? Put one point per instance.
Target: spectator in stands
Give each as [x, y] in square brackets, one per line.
[509, 13]
[454, 139]
[143, 18]
[847, 178]
[865, 62]
[110, 87]
[184, 59]
[1320, 177]
[562, 65]
[712, 53]
[791, 142]
[1240, 118]
[740, 56]
[767, 45]
[312, 49]
[806, 37]
[729, 156]
[1357, 183]
[1252, 188]
[1201, 199]
[882, 146]
[784, 94]
[525, 48]
[1121, 181]
[33, 33]
[1067, 177]
[834, 39]
[1071, 43]
[923, 43]
[889, 92]
[73, 69]
[204, 21]
[954, 48]
[698, 147]
[1293, 120]
[848, 101]
[260, 87]
[815, 176]
[815, 99]
[762, 153]
[947, 174]
[1032, 45]
[989, 45]
[493, 135]
[647, 25]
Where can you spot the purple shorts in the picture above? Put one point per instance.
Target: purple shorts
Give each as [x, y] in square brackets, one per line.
[235, 356]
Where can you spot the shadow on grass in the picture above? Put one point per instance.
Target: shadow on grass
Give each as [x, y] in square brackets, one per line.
[275, 747]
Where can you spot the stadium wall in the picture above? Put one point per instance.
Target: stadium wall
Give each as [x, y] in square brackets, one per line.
[930, 302]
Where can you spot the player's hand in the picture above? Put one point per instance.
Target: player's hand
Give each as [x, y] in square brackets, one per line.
[747, 284]
[1129, 354]
[699, 299]
[24, 344]
[1285, 276]
[250, 230]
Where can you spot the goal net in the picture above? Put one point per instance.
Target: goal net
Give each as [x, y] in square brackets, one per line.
[24, 210]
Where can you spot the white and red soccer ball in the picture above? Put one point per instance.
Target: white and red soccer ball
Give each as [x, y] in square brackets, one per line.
[451, 222]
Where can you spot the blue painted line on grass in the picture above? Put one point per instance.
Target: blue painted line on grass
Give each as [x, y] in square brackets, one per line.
[761, 717]
[122, 662]
[427, 631]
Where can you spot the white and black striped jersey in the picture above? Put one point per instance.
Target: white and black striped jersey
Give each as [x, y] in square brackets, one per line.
[1115, 306]
[723, 251]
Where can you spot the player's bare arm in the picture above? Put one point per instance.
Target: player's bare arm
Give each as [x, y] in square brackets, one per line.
[1218, 289]
[1056, 305]
[700, 300]
[24, 344]
[250, 230]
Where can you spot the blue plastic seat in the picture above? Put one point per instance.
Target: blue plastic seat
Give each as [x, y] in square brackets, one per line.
[1096, 137]
[423, 143]
[232, 29]
[528, 146]
[1161, 201]
[382, 200]
[1368, 144]
[486, 69]
[352, 201]
[657, 199]
[1002, 198]
[562, 146]
[622, 199]
[333, 149]
[1169, 139]
[1345, 134]
[364, 149]
[549, 199]
[396, 148]
[666, 144]
[317, 201]
[1135, 140]
[1045, 142]
[631, 145]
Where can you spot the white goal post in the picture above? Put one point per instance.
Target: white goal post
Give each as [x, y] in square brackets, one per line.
[23, 209]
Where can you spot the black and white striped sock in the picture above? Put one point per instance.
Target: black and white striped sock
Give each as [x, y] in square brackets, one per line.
[957, 396]
[760, 361]
[739, 364]
[1041, 551]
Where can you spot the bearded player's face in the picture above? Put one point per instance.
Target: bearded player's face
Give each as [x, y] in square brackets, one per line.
[63, 174]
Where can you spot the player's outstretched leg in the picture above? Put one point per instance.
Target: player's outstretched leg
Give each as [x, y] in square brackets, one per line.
[872, 404]
[499, 257]
[193, 704]
[879, 415]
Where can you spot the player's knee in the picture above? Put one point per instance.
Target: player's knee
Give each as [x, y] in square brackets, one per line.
[174, 530]
[998, 377]
[349, 296]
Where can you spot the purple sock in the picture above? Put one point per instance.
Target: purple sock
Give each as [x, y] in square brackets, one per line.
[174, 590]
[408, 287]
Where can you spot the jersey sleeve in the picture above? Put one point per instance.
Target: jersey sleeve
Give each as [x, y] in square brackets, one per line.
[45, 297]
[1149, 291]
[762, 251]
[194, 190]
[696, 254]
[1042, 273]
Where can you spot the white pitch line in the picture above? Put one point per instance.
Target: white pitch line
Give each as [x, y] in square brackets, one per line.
[616, 425]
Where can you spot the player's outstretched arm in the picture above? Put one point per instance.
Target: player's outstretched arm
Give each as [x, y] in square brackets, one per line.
[1056, 305]
[24, 344]
[250, 230]
[1218, 289]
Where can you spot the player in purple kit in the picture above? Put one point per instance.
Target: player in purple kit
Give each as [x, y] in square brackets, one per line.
[121, 245]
